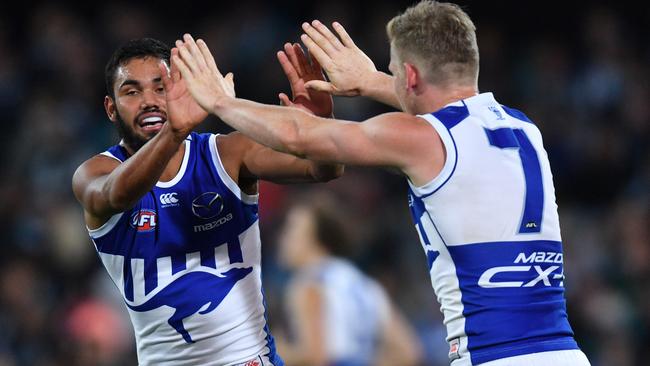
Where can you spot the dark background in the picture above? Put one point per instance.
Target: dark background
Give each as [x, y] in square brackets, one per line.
[579, 70]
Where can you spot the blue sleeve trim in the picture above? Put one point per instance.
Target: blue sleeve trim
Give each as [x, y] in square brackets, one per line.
[452, 115]
[517, 114]
[119, 152]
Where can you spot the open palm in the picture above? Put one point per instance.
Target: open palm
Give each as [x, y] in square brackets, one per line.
[299, 71]
[182, 109]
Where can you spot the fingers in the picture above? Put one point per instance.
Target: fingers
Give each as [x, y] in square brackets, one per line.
[191, 45]
[164, 75]
[305, 67]
[319, 39]
[322, 86]
[230, 79]
[284, 100]
[325, 32]
[196, 56]
[289, 68]
[290, 51]
[174, 72]
[182, 67]
[316, 51]
[230, 82]
[186, 56]
[207, 55]
[345, 37]
[317, 69]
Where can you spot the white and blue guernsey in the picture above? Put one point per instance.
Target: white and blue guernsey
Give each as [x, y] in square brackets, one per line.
[355, 311]
[186, 258]
[489, 227]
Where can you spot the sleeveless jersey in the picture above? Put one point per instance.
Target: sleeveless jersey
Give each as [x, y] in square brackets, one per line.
[355, 309]
[489, 227]
[186, 259]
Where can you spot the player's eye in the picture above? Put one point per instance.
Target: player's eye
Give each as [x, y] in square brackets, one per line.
[131, 92]
[160, 90]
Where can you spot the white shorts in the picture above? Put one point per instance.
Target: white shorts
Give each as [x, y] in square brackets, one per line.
[572, 357]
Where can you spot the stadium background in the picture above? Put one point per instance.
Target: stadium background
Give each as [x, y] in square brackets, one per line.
[579, 70]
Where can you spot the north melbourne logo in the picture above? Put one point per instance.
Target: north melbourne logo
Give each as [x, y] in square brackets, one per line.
[496, 112]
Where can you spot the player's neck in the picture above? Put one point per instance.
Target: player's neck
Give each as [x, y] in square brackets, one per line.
[435, 98]
[174, 165]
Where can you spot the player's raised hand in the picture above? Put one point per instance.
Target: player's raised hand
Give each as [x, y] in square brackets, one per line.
[347, 67]
[182, 110]
[300, 70]
[201, 74]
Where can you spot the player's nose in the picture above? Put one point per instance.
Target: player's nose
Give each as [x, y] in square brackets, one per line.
[150, 99]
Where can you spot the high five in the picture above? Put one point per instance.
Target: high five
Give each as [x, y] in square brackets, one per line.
[480, 186]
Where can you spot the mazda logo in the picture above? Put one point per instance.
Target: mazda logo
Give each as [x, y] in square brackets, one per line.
[207, 205]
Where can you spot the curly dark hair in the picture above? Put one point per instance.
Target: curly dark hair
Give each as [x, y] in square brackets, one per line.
[135, 48]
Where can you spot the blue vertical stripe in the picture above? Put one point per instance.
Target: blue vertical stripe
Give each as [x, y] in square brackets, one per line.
[178, 263]
[234, 252]
[207, 258]
[128, 280]
[150, 275]
[505, 138]
[531, 221]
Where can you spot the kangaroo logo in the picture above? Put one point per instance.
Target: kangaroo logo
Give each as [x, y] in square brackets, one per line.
[204, 288]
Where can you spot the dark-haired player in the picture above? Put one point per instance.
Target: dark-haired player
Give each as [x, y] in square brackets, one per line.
[173, 213]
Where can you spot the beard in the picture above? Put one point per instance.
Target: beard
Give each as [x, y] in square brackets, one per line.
[126, 133]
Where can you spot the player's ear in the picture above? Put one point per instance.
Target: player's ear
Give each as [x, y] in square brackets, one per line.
[412, 76]
[109, 106]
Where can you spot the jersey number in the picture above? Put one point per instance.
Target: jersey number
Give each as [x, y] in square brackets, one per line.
[508, 138]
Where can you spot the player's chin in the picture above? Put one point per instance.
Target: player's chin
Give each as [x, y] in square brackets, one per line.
[143, 137]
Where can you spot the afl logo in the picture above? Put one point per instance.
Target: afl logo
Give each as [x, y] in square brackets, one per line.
[144, 220]
[207, 205]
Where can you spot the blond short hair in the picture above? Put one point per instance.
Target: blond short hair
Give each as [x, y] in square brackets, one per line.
[439, 37]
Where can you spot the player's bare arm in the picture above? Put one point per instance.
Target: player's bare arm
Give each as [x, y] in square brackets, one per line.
[399, 344]
[396, 140]
[257, 162]
[307, 302]
[104, 186]
[260, 162]
[350, 71]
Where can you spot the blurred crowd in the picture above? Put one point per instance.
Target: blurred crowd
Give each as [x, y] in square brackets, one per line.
[581, 72]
